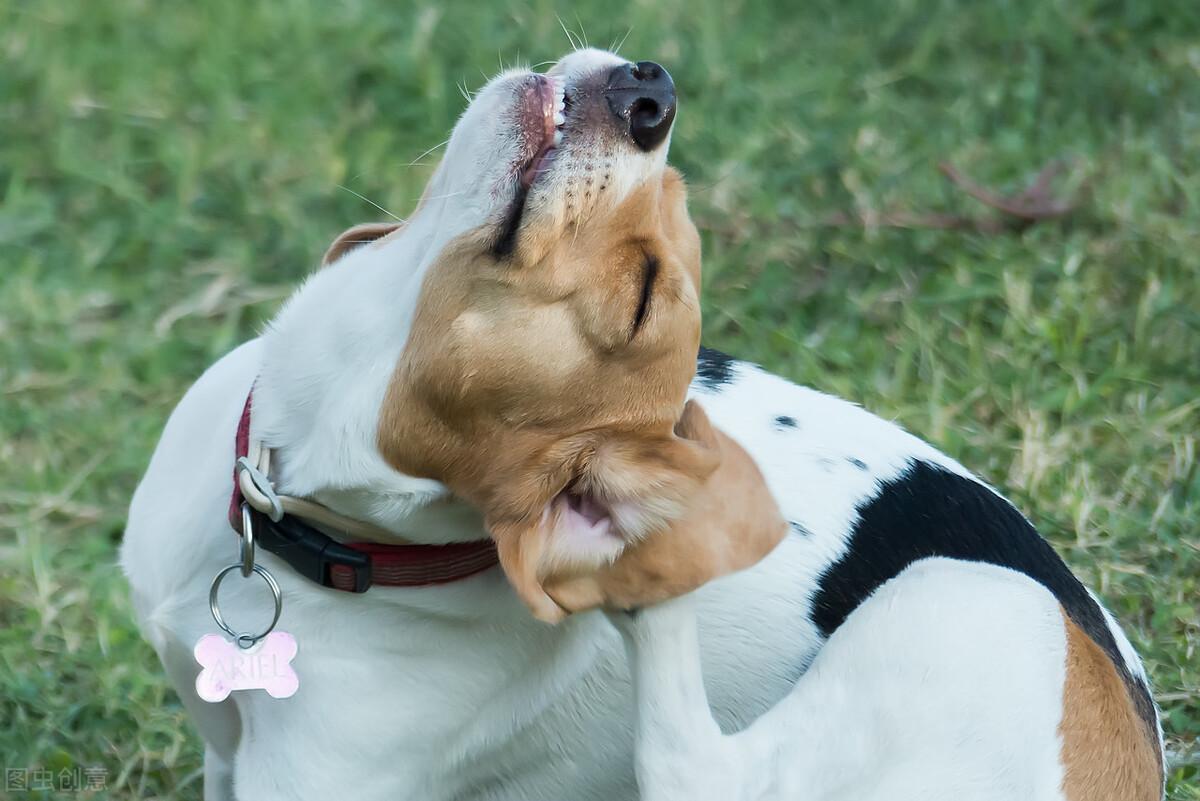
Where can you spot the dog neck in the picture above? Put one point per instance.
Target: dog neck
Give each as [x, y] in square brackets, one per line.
[327, 359]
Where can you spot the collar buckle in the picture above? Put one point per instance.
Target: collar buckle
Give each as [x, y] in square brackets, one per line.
[314, 555]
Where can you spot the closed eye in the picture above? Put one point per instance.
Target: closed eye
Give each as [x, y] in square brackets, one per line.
[649, 274]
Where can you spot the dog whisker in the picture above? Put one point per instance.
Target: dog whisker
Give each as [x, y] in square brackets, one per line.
[372, 202]
[582, 32]
[570, 36]
[415, 161]
[616, 48]
[449, 195]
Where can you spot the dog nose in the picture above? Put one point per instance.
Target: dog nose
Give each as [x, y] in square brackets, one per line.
[642, 96]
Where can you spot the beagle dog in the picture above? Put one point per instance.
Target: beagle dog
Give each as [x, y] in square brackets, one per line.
[496, 409]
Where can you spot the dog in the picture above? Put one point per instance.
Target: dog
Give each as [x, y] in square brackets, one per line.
[520, 338]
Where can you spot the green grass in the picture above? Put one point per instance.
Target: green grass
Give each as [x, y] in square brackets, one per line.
[168, 171]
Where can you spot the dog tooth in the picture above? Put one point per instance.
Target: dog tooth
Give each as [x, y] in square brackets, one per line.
[559, 119]
[557, 137]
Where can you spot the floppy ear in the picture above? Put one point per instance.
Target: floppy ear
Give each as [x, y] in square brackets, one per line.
[605, 491]
[732, 523]
[357, 235]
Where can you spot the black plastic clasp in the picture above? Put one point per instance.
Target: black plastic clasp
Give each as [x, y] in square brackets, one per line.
[310, 552]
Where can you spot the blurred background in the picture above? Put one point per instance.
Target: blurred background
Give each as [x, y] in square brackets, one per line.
[981, 220]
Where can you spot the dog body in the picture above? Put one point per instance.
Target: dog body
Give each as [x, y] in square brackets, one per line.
[455, 691]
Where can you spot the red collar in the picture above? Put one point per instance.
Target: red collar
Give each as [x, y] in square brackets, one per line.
[351, 566]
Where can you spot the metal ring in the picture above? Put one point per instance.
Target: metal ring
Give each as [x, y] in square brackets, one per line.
[246, 549]
[244, 640]
[263, 485]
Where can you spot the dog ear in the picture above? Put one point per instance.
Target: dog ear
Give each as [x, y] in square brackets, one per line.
[355, 236]
[605, 490]
[732, 523]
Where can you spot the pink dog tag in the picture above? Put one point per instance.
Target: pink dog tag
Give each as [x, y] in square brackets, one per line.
[266, 665]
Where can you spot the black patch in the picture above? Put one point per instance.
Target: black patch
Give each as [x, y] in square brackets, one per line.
[783, 421]
[713, 368]
[799, 529]
[927, 512]
[859, 463]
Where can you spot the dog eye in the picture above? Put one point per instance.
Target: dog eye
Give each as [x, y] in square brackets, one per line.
[649, 274]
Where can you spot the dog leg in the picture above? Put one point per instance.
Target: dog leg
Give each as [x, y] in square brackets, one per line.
[680, 752]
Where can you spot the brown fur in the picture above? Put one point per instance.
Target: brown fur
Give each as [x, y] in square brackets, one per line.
[524, 376]
[1108, 754]
[731, 524]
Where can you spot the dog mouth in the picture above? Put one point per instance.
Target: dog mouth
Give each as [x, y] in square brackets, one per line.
[542, 107]
[586, 532]
[543, 111]
[585, 517]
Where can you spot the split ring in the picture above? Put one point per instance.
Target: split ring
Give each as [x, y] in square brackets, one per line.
[244, 639]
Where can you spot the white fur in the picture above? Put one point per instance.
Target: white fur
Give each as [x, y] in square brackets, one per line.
[945, 684]
[456, 692]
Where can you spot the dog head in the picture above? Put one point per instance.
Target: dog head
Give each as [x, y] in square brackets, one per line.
[554, 336]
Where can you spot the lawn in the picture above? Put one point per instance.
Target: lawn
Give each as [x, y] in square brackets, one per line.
[169, 171]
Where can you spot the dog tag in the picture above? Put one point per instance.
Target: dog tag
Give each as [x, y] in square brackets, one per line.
[265, 665]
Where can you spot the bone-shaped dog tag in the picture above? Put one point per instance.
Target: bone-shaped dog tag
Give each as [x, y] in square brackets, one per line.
[266, 665]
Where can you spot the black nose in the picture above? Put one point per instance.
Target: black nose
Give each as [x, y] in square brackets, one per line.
[642, 96]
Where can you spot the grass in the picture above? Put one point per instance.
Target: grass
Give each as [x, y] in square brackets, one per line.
[168, 171]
